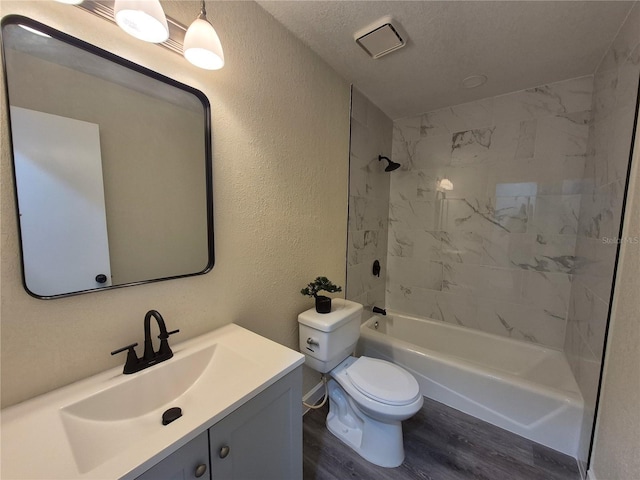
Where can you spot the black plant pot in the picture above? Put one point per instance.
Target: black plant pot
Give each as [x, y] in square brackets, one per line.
[323, 304]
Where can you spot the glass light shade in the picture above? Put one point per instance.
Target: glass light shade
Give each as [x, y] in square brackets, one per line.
[202, 46]
[143, 19]
[70, 2]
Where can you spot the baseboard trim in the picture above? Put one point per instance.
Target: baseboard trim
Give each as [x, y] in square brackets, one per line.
[313, 396]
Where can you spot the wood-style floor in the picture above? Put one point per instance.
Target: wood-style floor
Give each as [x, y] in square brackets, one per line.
[440, 444]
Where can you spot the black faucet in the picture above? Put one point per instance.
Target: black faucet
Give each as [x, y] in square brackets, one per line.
[150, 357]
[381, 311]
[164, 352]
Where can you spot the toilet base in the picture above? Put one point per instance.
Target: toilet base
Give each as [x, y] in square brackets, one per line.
[376, 441]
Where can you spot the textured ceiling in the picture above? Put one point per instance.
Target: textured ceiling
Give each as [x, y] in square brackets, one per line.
[516, 44]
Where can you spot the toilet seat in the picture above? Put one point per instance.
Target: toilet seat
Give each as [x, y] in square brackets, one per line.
[376, 409]
[383, 381]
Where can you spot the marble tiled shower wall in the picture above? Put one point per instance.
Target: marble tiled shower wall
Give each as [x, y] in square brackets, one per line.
[371, 133]
[497, 253]
[609, 146]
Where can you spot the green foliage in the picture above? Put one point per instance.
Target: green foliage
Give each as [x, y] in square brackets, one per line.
[320, 284]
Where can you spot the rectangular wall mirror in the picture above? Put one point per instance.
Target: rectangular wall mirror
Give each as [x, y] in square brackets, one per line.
[112, 166]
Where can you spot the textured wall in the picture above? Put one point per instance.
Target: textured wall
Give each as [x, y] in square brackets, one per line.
[371, 132]
[610, 134]
[496, 252]
[280, 121]
[618, 428]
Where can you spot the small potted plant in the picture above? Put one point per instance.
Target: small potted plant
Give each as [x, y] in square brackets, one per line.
[323, 303]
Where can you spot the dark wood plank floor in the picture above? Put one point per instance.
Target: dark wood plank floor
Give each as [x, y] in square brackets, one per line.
[440, 444]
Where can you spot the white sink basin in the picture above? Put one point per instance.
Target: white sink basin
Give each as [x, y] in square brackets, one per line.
[144, 393]
[110, 425]
[107, 422]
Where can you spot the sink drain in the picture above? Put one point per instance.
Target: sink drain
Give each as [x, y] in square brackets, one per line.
[170, 415]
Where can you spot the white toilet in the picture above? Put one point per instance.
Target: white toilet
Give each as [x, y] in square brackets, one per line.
[368, 398]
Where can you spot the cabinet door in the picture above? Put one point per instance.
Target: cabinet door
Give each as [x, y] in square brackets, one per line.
[262, 439]
[190, 462]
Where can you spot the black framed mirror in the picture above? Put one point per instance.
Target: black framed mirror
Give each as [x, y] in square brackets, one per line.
[112, 166]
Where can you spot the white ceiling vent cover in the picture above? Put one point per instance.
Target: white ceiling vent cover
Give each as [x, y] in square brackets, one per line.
[380, 38]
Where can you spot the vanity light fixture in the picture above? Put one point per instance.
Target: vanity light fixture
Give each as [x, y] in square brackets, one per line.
[143, 19]
[199, 44]
[202, 45]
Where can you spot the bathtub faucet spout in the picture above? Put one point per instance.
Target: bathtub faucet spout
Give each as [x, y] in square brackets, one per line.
[381, 311]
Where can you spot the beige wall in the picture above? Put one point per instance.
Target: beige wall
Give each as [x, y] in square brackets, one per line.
[280, 120]
[617, 441]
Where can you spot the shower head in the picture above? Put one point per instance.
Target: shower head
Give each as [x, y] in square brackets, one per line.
[392, 165]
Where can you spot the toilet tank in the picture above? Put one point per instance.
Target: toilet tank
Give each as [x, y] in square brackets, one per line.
[328, 338]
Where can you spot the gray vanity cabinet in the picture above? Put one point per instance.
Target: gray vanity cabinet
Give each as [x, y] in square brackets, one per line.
[191, 462]
[260, 440]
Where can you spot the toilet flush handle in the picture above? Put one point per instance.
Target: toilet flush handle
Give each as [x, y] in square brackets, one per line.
[313, 341]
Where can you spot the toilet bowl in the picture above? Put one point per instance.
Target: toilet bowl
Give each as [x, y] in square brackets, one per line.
[368, 398]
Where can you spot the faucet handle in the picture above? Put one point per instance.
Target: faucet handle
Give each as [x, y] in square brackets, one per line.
[128, 347]
[164, 336]
[132, 359]
[165, 350]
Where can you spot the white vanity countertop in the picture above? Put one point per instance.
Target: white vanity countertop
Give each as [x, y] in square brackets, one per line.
[109, 426]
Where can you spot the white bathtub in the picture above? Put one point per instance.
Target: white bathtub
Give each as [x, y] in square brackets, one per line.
[524, 388]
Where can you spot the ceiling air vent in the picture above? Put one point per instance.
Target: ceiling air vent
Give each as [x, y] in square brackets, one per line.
[380, 38]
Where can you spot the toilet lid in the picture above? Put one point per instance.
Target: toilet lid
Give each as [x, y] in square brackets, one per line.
[383, 381]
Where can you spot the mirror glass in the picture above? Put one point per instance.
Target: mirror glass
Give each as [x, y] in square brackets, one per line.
[112, 166]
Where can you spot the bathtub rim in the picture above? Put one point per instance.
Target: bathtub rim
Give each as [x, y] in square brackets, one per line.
[451, 326]
[368, 332]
